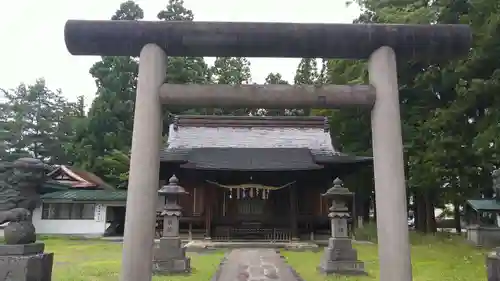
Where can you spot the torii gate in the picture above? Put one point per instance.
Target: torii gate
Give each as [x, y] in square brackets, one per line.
[153, 41]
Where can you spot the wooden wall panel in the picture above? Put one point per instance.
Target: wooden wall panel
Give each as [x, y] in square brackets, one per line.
[186, 201]
[160, 202]
[315, 198]
[310, 200]
[325, 205]
[198, 197]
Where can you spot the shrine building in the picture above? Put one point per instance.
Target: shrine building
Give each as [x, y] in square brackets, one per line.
[252, 177]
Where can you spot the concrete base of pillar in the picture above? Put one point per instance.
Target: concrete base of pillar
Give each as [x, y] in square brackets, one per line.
[170, 257]
[26, 262]
[493, 265]
[340, 258]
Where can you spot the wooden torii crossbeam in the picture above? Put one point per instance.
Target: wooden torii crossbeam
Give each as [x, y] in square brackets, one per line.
[379, 43]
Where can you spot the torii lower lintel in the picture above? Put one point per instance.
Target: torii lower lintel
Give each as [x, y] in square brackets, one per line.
[267, 96]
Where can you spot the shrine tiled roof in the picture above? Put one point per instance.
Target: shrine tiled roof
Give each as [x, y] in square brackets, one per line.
[189, 132]
[251, 142]
[245, 159]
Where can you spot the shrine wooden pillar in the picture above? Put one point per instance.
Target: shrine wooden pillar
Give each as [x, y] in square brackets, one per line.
[294, 212]
[208, 211]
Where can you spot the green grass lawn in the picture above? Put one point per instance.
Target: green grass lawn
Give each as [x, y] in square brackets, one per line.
[434, 259]
[96, 260]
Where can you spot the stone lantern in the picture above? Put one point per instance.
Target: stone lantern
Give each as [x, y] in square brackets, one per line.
[339, 257]
[169, 254]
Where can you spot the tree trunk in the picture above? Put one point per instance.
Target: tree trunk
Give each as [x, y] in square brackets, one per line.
[425, 219]
[362, 203]
[431, 226]
[456, 218]
[420, 213]
[366, 210]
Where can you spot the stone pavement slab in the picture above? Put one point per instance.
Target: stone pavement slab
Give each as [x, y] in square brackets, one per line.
[255, 265]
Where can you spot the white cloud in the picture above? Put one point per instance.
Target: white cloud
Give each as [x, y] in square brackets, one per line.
[33, 40]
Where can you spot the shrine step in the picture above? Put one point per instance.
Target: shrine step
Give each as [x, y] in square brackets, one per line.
[294, 246]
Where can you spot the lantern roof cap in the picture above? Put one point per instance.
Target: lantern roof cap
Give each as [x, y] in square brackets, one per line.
[172, 188]
[337, 190]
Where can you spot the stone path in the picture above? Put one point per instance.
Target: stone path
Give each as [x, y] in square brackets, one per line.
[255, 265]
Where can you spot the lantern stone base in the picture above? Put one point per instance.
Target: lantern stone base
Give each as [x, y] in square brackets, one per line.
[340, 258]
[170, 257]
[493, 265]
[25, 262]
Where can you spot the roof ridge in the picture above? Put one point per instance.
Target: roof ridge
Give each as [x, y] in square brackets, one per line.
[319, 122]
[245, 117]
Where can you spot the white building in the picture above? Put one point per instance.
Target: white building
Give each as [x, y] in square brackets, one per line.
[77, 202]
[79, 212]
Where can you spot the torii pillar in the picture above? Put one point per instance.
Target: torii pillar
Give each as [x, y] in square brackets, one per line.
[376, 42]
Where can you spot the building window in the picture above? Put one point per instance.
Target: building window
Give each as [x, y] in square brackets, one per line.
[67, 211]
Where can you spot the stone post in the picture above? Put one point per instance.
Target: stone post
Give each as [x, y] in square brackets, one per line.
[360, 222]
[144, 168]
[390, 184]
[493, 265]
[169, 254]
[339, 257]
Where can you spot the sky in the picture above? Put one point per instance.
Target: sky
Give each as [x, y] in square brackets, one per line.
[33, 39]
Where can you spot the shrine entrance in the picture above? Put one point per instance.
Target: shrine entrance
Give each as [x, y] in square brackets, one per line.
[379, 43]
[252, 212]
